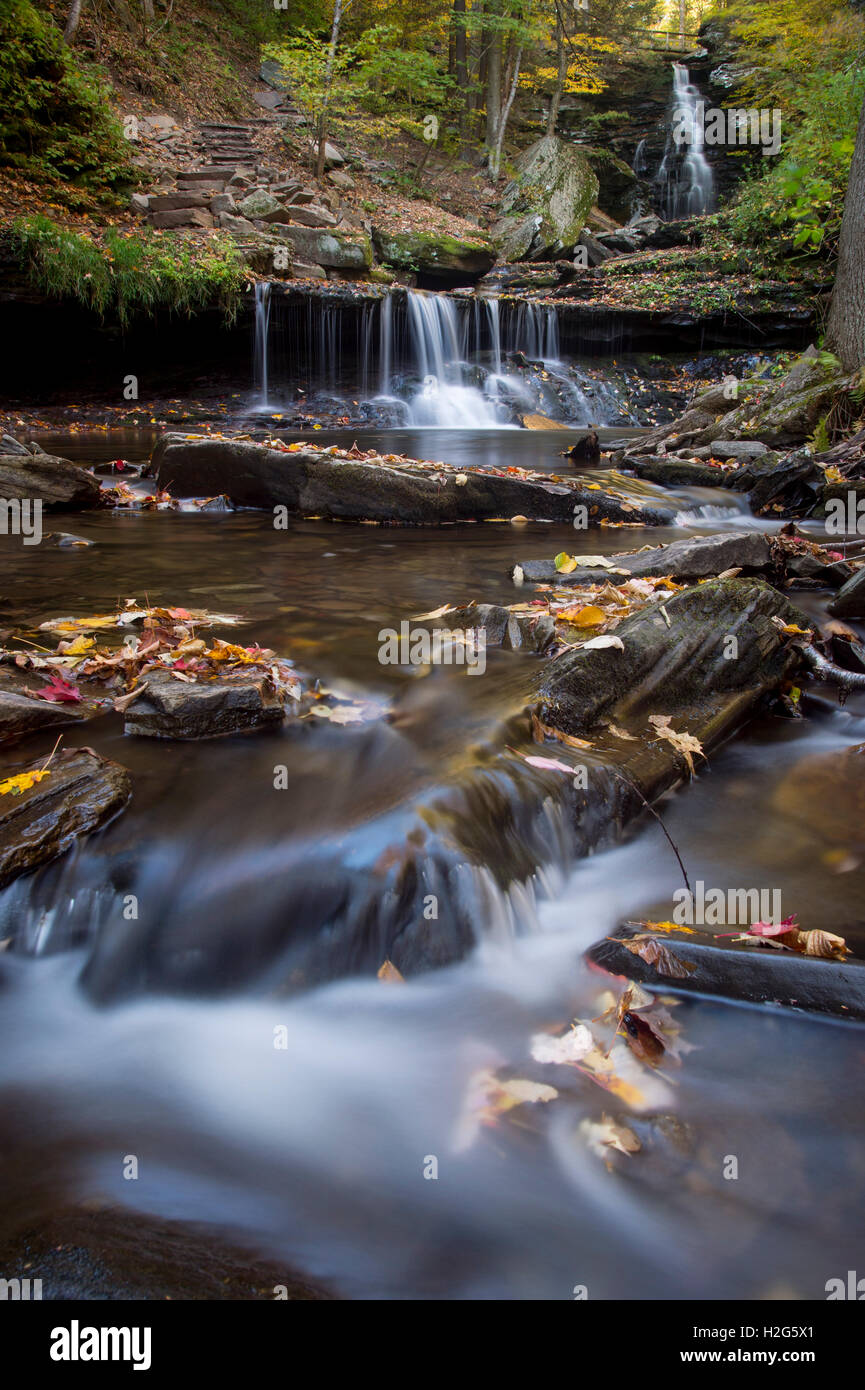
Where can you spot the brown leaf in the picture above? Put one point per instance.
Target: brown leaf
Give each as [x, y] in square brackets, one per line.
[389, 973]
[659, 955]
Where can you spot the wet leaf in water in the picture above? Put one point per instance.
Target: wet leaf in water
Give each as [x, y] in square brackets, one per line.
[684, 743]
[388, 972]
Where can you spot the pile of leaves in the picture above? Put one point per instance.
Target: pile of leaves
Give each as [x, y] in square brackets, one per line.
[164, 639]
[593, 610]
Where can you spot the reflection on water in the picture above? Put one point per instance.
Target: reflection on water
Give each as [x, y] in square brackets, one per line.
[315, 1152]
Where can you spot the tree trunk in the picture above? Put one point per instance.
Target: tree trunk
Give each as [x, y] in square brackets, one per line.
[461, 67]
[681, 24]
[845, 331]
[496, 154]
[328, 79]
[494, 85]
[72, 20]
[560, 79]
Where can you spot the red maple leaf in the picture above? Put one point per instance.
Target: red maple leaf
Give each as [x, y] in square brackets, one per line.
[59, 691]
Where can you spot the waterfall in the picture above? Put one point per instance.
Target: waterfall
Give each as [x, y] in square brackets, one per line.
[437, 346]
[684, 177]
[262, 337]
[639, 164]
[418, 358]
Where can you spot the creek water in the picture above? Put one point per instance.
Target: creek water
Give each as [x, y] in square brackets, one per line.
[314, 1153]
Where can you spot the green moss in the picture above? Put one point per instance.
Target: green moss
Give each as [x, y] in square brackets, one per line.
[130, 274]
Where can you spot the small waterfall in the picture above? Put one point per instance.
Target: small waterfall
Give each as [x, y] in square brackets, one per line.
[437, 346]
[386, 345]
[684, 178]
[262, 339]
[418, 358]
[639, 165]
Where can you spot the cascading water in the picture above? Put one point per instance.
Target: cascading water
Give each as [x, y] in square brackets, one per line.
[262, 339]
[417, 358]
[444, 399]
[685, 183]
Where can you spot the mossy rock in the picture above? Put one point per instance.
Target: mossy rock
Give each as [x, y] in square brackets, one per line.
[552, 194]
[433, 253]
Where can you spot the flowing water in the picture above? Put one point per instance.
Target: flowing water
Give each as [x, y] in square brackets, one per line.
[425, 360]
[685, 182]
[116, 1042]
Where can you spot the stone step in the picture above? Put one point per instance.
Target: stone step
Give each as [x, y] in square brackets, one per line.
[208, 172]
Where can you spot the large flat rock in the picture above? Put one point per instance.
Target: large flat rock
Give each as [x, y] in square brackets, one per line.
[313, 482]
[755, 974]
[687, 560]
[237, 702]
[81, 793]
[57, 483]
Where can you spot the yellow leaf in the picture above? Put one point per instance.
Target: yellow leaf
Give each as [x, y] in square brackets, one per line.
[23, 782]
[389, 973]
[589, 616]
[565, 563]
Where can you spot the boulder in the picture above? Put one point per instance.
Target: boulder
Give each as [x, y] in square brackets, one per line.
[489, 818]
[239, 226]
[341, 180]
[259, 204]
[313, 482]
[223, 202]
[686, 561]
[849, 602]
[335, 250]
[433, 254]
[785, 412]
[22, 714]
[312, 215]
[681, 668]
[672, 472]
[786, 485]
[553, 185]
[58, 484]
[174, 202]
[181, 217]
[749, 973]
[81, 793]
[733, 449]
[237, 702]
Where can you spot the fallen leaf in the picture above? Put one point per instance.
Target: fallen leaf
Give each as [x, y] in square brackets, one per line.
[588, 616]
[597, 642]
[59, 692]
[548, 764]
[684, 743]
[607, 1134]
[540, 731]
[658, 955]
[23, 782]
[388, 972]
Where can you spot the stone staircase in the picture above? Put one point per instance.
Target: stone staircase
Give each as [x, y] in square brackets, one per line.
[230, 145]
[227, 178]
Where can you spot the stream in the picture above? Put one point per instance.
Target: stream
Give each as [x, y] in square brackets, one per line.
[313, 1154]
